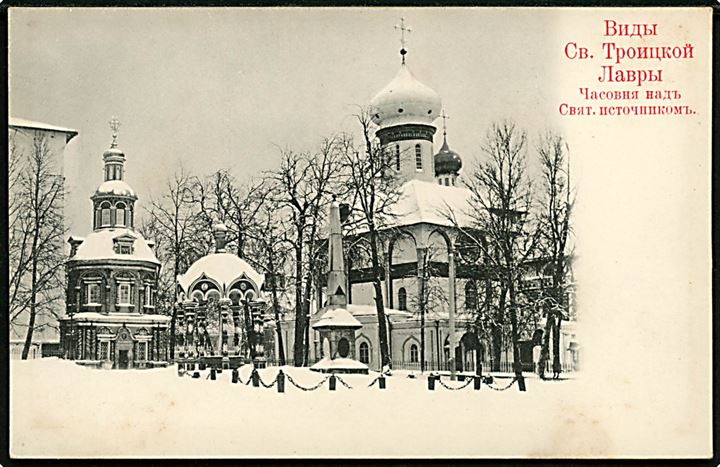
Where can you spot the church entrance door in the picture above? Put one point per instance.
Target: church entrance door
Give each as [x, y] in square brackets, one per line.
[123, 359]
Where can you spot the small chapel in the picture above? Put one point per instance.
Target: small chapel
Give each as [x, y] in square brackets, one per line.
[112, 276]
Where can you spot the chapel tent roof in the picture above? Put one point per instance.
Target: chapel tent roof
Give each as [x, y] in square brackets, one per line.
[99, 245]
[223, 268]
[337, 316]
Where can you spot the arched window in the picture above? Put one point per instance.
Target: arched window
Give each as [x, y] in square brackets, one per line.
[120, 214]
[249, 295]
[402, 299]
[108, 172]
[213, 296]
[470, 295]
[130, 216]
[197, 296]
[105, 214]
[397, 157]
[413, 353]
[418, 157]
[235, 296]
[364, 353]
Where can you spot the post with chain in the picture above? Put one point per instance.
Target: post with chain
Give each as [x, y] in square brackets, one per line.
[255, 377]
[212, 373]
[333, 382]
[235, 375]
[519, 376]
[381, 381]
[431, 382]
[281, 381]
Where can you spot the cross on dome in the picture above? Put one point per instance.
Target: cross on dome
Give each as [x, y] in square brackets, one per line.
[114, 126]
[403, 29]
[444, 116]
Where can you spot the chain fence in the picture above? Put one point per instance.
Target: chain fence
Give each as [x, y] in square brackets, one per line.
[343, 382]
[463, 386]
[514, 380]
[486, 380]
[312, 388]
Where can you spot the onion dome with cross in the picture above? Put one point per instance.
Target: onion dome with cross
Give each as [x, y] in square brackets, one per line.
[405, 99]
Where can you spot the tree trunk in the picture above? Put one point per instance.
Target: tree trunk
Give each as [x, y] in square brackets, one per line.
[33, 272]
[517, 365]
[276, 309]
[299, 318]
[306, 318]
[556, 346]
[545, 352]
[496, 331]
[423, 304]
[379, 303]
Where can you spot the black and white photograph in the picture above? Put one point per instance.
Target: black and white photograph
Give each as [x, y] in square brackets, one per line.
[359, 232]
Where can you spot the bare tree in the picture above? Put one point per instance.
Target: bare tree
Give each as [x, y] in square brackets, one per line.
[374, 186]
[432, 296]
[270, 247]
[36, 238]
[178, 231]
[501, 197]
[222, 198]
[302, 186]
[554, 226]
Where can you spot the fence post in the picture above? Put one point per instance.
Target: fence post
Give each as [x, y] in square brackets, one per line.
[255, 376]
[235, 375]
[431, 382]
[281, 381]
[519, 376]
[478, 382]
[333, 382]
[212, 373]
[381, 381]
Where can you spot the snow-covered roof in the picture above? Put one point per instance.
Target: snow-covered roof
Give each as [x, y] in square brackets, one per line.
[337, 316]
[370, 310]
[115, 187]
[338, 364]
[223, 268]
[23, 123]
[432, 203]
[135, 318]
[99, 245]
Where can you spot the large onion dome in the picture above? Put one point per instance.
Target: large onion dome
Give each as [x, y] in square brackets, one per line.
[405, 100]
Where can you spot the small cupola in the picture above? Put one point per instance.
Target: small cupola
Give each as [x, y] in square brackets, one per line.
[114, 200]
[220, 234]
[447, 162]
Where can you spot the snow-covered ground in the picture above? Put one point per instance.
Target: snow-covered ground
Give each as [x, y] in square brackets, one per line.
[62, 409]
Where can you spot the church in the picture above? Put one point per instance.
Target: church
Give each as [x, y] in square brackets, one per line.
[427, 259]
[112, 276]
[418, 246]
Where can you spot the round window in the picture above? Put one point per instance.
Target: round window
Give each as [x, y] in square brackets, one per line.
[343, 348]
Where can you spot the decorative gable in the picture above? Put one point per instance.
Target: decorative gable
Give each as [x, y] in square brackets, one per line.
[124, 244]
